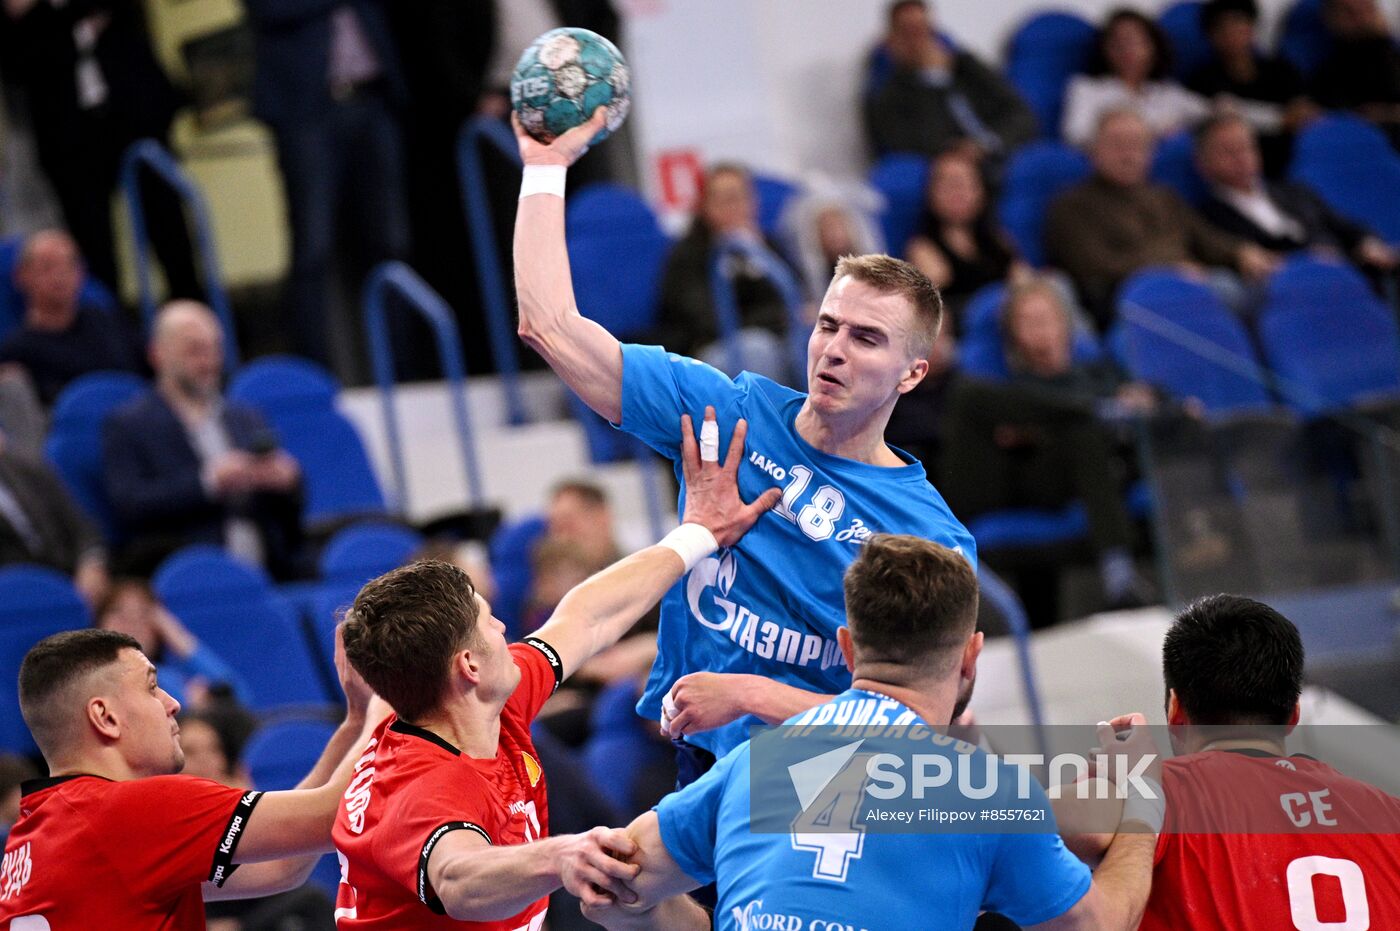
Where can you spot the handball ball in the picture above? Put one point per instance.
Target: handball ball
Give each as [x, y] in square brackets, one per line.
[563, 77]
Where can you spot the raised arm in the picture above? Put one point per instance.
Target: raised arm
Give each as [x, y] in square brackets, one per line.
[290, 829]
[587, 357]
[597, 613]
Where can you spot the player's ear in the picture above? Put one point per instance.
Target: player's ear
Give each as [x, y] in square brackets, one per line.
[468, 666]
[1293, 718]
[847, 645]
[103, 718]
[913, 375]
[1176, 715]
[971, 652]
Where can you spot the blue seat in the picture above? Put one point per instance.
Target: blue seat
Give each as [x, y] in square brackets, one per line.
[1190, 49]
[617, 253]
[510, 550]
[1018, 528]
[234, 609]
[1178, 335]
[297, 397]
[982, 352]
[363, 551]
[1044, 53]
[774, 195]
[1350, 163]
[1035, 174]
[1304, 39]
[1329, 339]
[1174, 164]
[35, 602]
[74, 443]
[278, 756]
[900, 179]
[93, 294]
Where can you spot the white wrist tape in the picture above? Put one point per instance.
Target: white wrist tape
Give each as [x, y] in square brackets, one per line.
[542, 179]
[691, 542]
[1149, 811]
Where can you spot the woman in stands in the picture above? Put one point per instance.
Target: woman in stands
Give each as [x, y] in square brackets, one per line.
[959, 245]
[1131, 67]
[1036, 440]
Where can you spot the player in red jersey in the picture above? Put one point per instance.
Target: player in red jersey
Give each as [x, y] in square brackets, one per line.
[446, 819]
[112, 839]
[1255, 840]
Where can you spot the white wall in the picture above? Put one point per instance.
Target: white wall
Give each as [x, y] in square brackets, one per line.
[774, 83]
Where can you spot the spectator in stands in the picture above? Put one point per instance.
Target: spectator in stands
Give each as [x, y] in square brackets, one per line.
[1362, 70]
[328, 84]
[579, 513]
[1266, 90]
[1118, 222]
[959, 244]
[556, 566]
[60, 338]
[93, 87]
[188, 669]
[826, 221]
[14, 772]
[182, 466]
[726, 218]
[1280, 216]
[1035, 441]
[1131, 67]
[939, 96]
[41, 524]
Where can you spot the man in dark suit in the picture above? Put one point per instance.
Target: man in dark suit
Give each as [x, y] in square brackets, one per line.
[1281, 217]
[182, 466]
[328, 83]
[41, 524]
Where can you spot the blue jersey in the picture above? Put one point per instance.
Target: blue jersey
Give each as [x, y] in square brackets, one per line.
[871, 881]
[771, 604]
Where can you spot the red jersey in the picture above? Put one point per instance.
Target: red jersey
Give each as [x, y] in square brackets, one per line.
[1294, 859]
[88, 852]
[411, 788]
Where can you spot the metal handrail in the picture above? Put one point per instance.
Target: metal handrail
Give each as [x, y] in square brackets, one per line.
[416, 294]
[994, 590]
[476, 199]
[153, 155]
[727, 304]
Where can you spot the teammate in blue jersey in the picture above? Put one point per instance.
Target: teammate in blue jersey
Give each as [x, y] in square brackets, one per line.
[912, 648]
[750, 635]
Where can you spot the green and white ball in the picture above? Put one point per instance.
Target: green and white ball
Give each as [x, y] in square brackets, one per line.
[563, 77]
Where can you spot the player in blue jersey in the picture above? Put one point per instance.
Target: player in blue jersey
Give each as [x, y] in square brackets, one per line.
[750, 634]
[912, 648]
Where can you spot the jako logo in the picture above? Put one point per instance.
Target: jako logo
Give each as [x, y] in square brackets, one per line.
[768, 465]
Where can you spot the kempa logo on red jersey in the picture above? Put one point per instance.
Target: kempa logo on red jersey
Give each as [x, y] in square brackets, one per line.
[14, 872]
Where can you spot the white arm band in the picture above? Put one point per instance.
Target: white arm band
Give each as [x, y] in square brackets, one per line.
[542, 179]
[691, 542]
[1151, 812]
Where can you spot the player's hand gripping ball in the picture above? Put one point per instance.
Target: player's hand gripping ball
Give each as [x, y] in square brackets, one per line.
[563, 77]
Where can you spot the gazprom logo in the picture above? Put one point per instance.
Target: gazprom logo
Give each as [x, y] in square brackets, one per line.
[717, 573]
